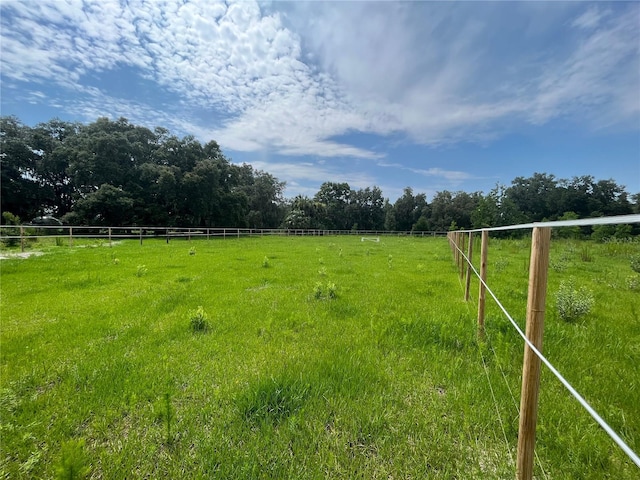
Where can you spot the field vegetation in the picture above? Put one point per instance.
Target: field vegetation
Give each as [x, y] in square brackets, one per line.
[307, 357]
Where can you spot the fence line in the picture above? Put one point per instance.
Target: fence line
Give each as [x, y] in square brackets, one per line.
[25, 232]
[583, 222]
[524, 469]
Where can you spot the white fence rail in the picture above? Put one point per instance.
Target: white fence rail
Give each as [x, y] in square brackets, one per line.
[23, 233]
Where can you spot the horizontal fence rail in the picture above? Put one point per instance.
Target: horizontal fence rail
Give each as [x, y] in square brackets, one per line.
[24, 232]
[535, 320]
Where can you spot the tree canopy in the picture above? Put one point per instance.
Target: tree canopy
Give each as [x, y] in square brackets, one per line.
[116, 173]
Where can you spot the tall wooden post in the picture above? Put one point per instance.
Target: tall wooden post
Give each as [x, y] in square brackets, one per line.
[140, 235]
[110, 237]
[484, 252]
[539, 265]
[21, 238]
[71, 236]
[462, 261]
[468, 279]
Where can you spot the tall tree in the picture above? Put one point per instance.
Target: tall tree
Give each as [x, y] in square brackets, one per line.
[19, 191]
[367, 209]
[336, 198]
[535, 196]
[408, 209]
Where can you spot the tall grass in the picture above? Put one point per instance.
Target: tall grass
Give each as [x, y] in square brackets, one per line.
[382, 378]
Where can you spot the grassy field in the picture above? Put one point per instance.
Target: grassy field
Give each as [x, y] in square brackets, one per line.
[322, 357]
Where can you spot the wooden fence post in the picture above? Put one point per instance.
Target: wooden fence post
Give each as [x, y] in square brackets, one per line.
[21, 238]
[469, 256]
[539, 265]
[71, 236]
[484, 251]
[462, 261]
[140, 235]
[110, 237]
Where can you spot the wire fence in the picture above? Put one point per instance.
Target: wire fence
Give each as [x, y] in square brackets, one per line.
[23, 233]
[457, 242]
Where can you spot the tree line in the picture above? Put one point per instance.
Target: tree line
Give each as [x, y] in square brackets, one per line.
[115, 173]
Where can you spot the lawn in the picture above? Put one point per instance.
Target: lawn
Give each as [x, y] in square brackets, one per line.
[320, 357]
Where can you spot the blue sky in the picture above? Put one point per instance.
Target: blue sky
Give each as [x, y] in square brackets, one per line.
[435, 96]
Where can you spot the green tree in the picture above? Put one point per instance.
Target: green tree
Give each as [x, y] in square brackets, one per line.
[336, 198]
[109, 205]
[536, 196]
[19, 191]
[408, 208]
[367, 209]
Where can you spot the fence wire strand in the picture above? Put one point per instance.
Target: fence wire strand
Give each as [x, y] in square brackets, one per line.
[614, 436]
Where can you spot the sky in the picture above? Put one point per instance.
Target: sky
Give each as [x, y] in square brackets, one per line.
[429, 95]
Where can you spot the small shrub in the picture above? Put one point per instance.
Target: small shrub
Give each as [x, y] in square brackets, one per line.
[116, 261]
[320, 291]
[141, 271]
[59, 241]
[322, 272]
[198, 320]
[585, 255]
[72, 464]
[317, 290]
[265, 262]
[635, 263]
[573, 303]
[192, 251]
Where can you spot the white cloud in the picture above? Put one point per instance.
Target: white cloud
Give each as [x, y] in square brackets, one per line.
[291, 81]
[306, 178]
[590, 18]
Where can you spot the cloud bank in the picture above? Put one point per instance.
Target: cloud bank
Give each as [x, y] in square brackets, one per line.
[296, 79]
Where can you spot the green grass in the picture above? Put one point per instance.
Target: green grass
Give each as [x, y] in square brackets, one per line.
[380, 375]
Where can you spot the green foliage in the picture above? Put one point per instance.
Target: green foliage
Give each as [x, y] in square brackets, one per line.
[332, 290]
[573, 303]
[112, 172]
[141, 270]
[72, 462]
[585, 254]
[568, 232]
[192, 251]
[602, 233]
[198, 320]
[634, 262]
[325, 291]
[265, 262]
[9, 218]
